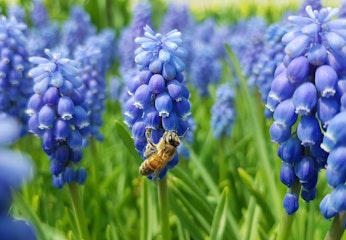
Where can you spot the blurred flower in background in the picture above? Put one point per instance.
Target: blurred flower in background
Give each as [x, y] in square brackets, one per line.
[15, 169]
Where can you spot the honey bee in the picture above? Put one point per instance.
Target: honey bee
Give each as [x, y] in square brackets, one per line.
[158, 155]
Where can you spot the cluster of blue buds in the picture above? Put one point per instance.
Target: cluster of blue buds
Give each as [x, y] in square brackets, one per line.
[15, 85]
[334, 142]
[94, 58]
[158, 98]
[77, 29]
[15, 168]
[44, 33]
[59, 115]
[271, 56]
[223, 112]
[249, 49]
[305, 96]
[205, 66]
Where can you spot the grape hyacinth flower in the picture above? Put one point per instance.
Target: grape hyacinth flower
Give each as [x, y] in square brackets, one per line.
[126, 46]
[15, 85]
[77, 29]
[205, 66]
[94, 58]
[334, 142]
[44, 33]
[305, 98]
[159, 100]
[271, 56]
[223, 112]
[59, 115]
[15, 169]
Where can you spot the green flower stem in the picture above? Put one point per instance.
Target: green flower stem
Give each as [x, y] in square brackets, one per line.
[78, 212]
[94, 155]
[337, 228]
[287, 220]
[222, 160]
[163, 200]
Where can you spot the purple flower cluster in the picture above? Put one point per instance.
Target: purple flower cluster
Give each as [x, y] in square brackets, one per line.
[248, 49]
[15, 85]
[223, 112]
[271, 56]
[94, 59]
[334, 142]
[44, 32]
[158, 99]
[205, 64]
[305, 97]
[126, 44]
[59, 115]
[77, 29]
[14, 169]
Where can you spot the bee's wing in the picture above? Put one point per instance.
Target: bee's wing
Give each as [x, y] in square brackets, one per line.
[157, 172]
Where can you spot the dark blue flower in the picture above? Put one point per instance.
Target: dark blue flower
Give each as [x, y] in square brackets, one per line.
[15, 86]
[223, 112]
[156, 102]
[61, 118]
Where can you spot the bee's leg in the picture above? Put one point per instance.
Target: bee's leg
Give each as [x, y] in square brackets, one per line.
[151, 147]
[147, 135]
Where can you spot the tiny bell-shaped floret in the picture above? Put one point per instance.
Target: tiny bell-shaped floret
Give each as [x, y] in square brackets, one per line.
[317, 55]
[46, 117]
[163, 104]
[290, 151]
[35, 103]
[327, 108]
[305, 170]
[298, 70]
[152, 118]
[290, 203]
[285, 113]
[157, 83]
[338, 198]
[279, 133]
[308, 130]
[142, 96]
[336, 166]
[51, 96]
[281, 89]
[305, 98]
[81, 175]
[297, 46]
[326, 207]
[308, 194]
[287, 175]
[325, 80]
[336, 132]
[65, 108]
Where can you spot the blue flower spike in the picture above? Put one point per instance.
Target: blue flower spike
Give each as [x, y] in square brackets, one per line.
[305, 99]
[58, 114]
[157, 98]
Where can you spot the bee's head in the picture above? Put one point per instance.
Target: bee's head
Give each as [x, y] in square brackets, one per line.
[172, 138]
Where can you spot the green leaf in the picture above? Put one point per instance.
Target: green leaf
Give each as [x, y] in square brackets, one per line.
[146, 210]
[260, 197]
[127, 140]
[220, 216]
[184, 217]
[256, 119]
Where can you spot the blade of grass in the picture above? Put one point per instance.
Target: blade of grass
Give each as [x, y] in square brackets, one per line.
[184, 217]
[27, 211]
[219, 220]
[259, 136]
[260, 197]
[127, 140]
